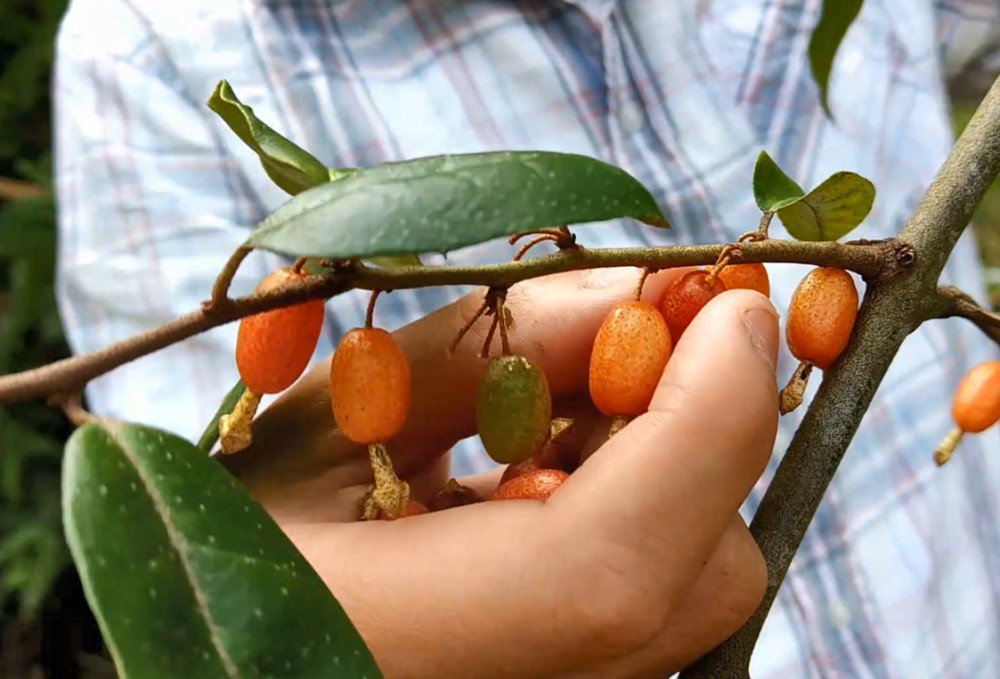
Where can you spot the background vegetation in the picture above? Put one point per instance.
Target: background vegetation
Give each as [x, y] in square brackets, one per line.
[46, 629]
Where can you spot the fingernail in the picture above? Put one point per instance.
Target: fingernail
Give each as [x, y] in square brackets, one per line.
[762, 327]
[600, 279]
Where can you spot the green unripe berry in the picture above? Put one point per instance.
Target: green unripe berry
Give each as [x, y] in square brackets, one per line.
[513, 409]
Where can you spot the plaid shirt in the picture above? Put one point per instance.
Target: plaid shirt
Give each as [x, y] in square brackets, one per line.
[897, 576]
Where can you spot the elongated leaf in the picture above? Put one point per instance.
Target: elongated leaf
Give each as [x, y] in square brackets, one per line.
[211, 434]
[837, 17]
[440, 203]
[772, 188]
[831, 210]
[289, 166]
[188, 577]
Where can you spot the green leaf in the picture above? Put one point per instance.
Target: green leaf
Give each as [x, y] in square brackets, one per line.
[211, 434]
[831, 210]
[837, 17]
[772, 188]
[187, 576]
[440, 203]
[289, 166]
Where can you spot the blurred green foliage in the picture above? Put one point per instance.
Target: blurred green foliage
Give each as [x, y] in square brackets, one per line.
[32, 548]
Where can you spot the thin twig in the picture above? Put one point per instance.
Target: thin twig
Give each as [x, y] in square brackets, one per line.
[299, 263]
[72, 373]
[220, 290]
[952, 302]
[642, 282]
[485, 353]
[501, 319]
[468, 325]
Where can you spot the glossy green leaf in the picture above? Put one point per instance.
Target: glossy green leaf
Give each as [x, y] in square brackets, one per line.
[440, 203]
[837, 17]
[210, 436]
[831, 210]
[772, 188]
[187, 576]
[289, 166]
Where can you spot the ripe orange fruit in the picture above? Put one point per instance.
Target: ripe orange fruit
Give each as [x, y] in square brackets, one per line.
[746, 276]
[536, 485]
[821, 316]
[976, 404]
[513, 409]
[630, 351]
[369, 386]
[274, 347]
[685, 297]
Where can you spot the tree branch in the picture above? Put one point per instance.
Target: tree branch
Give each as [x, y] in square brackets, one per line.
[869, 259]
[892, 308]
[952, 302]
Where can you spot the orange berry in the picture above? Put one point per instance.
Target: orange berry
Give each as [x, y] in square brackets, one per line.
[369, 386]
[821, 316]
[630, 351]
[685, 297]
[976, 404]
[536, 485]
[273, 348]
[746, 276]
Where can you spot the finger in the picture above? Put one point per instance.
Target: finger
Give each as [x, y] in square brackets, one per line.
[727, 592]
[555, 321]
[664, 488]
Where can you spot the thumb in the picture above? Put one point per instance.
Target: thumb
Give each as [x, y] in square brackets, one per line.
[668, 484]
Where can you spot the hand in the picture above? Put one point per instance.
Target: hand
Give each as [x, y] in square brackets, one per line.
[636, 566]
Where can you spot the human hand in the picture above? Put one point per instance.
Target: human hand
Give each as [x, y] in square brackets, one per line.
[638, 564]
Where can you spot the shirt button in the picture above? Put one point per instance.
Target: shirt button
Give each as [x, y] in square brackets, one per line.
[631, 118]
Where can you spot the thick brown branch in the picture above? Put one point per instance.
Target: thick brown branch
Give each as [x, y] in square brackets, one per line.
[869, 260]
[952, 302]
[893, 307]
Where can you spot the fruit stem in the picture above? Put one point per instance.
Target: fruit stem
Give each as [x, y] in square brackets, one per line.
[388, 496]
[729, 252]
[790, 397]
[947, 446]
[642, 281]
[468, 326]
[501, 320]
[532, 243]
[370, 313]
[299, 263]
[235, 432]
[618, 423]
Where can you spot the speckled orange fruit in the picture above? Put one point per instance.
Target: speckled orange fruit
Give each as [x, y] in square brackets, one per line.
[369, 386]
[685, 297]
[274, 347]
[536, 485]
[821, 316]
[746, 276]
[630, 351]
[976, 404]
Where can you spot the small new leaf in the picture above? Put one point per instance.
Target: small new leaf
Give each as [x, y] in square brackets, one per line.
[290, 167]
[772, 188]
[441, 203]
[831, 210]
[186, 574]
[837, 17]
